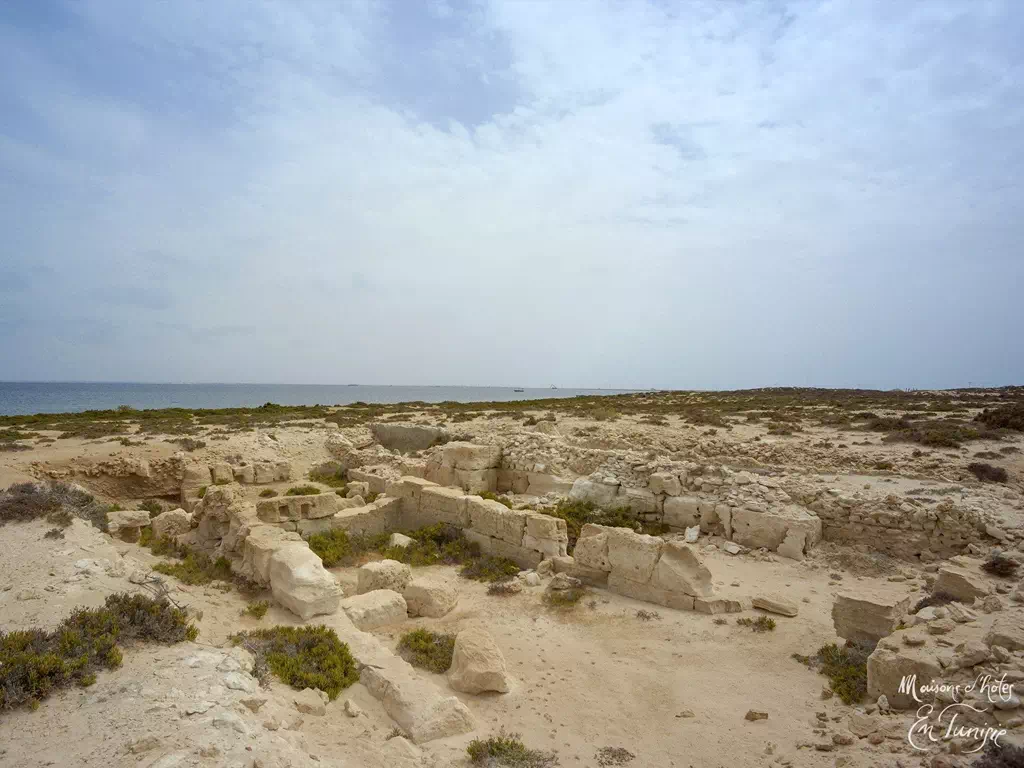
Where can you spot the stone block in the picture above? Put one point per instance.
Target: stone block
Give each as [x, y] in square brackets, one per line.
[444, 505]
[865, 618]
[633, 555]
[494, 519]
[375, 609]
[681, 512]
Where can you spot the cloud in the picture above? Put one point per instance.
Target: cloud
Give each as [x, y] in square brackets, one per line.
[645, 194]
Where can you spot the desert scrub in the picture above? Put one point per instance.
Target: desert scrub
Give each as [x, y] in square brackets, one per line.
[34, 663]
[196, 568]
[846, 669]
[427, 650]
[268, 493]
[504, 588]
[1000, 565]
[331, 474]
[564, 598]
[201, 492]
[612, 756]
[303, 657]
[152, 506]
[333, 547]
[506, 750]
[257, 610]
[760, 624]
[987, 473]
[578, 513]
[302, 490]
[188, 443]
[58, 503]
[489, 569]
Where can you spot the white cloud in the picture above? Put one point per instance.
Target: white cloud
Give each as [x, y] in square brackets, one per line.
[643, 194]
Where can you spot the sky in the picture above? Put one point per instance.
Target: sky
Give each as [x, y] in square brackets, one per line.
[706, 194]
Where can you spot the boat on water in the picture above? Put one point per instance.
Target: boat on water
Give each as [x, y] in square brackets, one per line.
[553, 386]
[518, 389]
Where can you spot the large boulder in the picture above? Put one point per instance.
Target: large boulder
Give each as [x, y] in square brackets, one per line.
[469, 456]
[776, 604]
[680, 569]
[961, 584]
[341, 449]
[477, 664]
[865, 618]
[1007, 631]
[681, 512]
[769, 529]
[889, 669]
[592, 548]
[633, 555]
[383, 574]
[591, 489]
[174, 522]
[259, 546]
[665, 482]
[127, 524]
[406, 438]
[375, 609]
[430, 596]
[300, 582]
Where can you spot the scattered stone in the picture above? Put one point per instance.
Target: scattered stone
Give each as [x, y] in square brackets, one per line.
[352, 709]
[867, 619]
[961, 584]
[311, 701]
[375, 609]
[400, 540]
[754, 714]
[477, 664]
[383, 574]
[430, 596]
[776, 604]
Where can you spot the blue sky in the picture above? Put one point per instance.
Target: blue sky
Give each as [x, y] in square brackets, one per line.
[708, 194]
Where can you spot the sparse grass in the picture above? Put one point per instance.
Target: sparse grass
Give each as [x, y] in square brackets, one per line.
[257, 610]
[54, 533]
[1008, 416]
[645, 615]
[846, 669]
[578, 513]
[760, 624]
[613, 756]
[1000, 565]
[489, 569]
[201, 492]
[268, 493]
[34, 663]
[988, 473]
[303, 490]
[506, 750]
[603, 414]
[331, 474]
[427, 650]
[564, 598]
[495, 497]
[303, 657]
[152, 506]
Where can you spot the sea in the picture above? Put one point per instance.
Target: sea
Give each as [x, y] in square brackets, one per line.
[20, 398]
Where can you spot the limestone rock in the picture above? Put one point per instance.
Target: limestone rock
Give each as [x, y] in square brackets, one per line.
[1008, 632]
[477, 664]
[793, 545]
[400, 540]
[171, 523]
[887, 668]
[300, 582]
[468, 456]
[867, 619]
[592, 548]
[383, 574]
[665, 482]
[311, 701]
[127, 523]
[430, 596]
[961, 584]
[406, 438]
[680, 569]
[681, 512]
[776, 604]
[633, 555]
[375, 609]
[600, 493]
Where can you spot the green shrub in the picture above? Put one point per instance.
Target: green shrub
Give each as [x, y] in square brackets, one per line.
[332, 546]
[146, 536]
[302, 490]
[564, 598]
[303, 657]
[427, 650]
[152, 506]
[34, 663]
[268, 493]
[504, 588]
[489, 569]
[201, 492]
[1009, 416]
[846, 669]
[54, 533]
[578, 513]
[257, 610]
[59, 503]
[506, 750]
[331, 474]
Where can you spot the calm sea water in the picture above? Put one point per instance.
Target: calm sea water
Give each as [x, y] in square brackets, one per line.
[18, 398]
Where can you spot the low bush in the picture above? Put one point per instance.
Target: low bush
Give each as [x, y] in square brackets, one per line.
[188, 443]
[506, 750]
[564, 598]
[935, 598]
[1009, 416]
[268, 493]
[303, 657]
[58, 503]
[196, 568]
[504, 588]
[1004, 755]
[427, 650]
[846, 669]
[332, 546]
[489, 569]
[302, 490]
[988, 473]
[1000, 565]
[578, 513]
[331, 474]
[495, 497]
[34, 663]
[152, 506]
